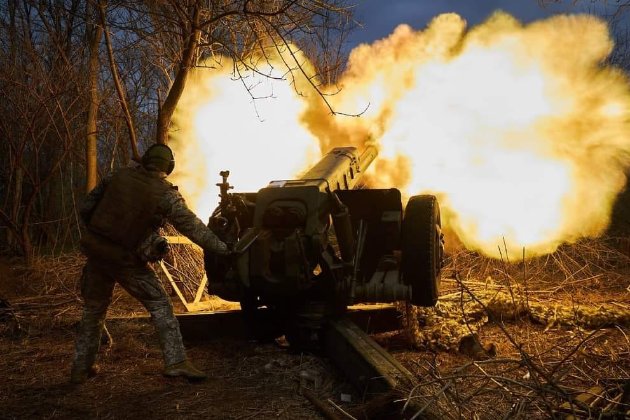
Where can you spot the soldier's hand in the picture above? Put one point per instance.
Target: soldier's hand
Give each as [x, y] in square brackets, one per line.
[232, 252]
[163, 247]
[221, 251]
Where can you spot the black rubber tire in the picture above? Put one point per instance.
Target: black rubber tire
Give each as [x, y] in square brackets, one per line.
[422, 249]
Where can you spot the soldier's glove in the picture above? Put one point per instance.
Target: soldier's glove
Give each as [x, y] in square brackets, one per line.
[230, 253]
[162, 246]
[158, 249]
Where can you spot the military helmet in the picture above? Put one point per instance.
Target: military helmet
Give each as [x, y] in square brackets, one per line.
[160, 157]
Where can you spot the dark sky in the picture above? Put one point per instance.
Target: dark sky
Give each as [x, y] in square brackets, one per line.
[380, 17]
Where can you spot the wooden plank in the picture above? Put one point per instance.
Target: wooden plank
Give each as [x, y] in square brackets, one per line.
[174, 285]
[376, 374]
[202, 287]
[182, 240]
[196, 303]
[210, 325]
[372, 368]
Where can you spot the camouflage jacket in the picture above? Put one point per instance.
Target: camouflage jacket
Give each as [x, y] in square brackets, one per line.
[173, 208]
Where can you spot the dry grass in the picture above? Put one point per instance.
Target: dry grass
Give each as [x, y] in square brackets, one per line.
[596, 265]
[549, 332]
[185, 264]
[247, 380]
[538, 367]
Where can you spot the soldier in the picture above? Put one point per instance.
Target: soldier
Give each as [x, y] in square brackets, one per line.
[122, 215]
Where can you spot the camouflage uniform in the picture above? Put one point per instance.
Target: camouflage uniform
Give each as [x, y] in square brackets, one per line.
[136, 276]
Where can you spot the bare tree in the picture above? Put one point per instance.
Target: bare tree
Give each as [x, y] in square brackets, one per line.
[42, 90]
[94, 35]
[66, 118]
[248, 32]
[119, 88]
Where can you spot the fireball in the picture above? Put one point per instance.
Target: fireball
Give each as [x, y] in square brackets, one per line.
[522, 131]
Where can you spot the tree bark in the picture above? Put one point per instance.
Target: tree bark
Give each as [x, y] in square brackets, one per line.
[119, 86]
[189, 60]
[17, 202]
[94, 39]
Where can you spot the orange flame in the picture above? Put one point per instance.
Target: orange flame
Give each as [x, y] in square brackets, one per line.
[521, 131]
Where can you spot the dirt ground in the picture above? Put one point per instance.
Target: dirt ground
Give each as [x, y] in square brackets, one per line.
[247, 379]
[534, 370]
[552, 336]
[505, 387]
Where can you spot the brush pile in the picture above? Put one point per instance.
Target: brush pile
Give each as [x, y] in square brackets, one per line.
[545, 337]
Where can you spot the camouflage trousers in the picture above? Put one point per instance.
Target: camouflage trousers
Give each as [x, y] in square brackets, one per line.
[97, 285]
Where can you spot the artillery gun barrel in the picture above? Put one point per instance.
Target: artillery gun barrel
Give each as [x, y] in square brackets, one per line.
[341, 168]
[367, 157]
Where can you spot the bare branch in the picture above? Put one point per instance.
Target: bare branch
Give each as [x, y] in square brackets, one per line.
[119, 88]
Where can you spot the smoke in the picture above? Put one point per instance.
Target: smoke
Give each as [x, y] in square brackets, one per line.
[247, 125]
[521, 130]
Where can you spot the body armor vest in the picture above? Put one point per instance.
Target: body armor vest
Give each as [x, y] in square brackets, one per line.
[128, 210]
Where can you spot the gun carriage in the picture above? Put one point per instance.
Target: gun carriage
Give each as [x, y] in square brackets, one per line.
[306, 248]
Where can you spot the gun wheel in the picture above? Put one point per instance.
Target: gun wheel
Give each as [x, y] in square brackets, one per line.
[422, 247]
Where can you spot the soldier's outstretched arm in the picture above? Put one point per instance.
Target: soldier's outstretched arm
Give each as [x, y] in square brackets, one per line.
[189, 225]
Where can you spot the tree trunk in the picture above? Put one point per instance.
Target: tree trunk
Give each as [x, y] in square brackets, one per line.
[25, 240]
[120, 90]
[17, 202]
[189, 60]
[94, 39]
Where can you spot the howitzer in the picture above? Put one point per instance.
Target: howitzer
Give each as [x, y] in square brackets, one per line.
[307, 248]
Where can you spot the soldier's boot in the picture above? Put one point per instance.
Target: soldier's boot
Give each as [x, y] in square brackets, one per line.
[80, 374]
[185, 369]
